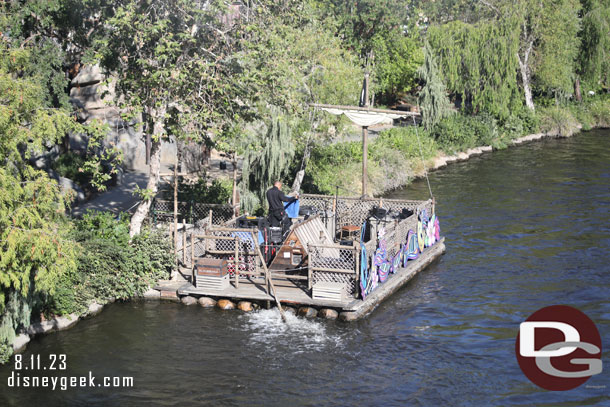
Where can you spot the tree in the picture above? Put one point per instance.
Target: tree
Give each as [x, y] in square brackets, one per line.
[548, 42]
[481, 80]
[267, 159]
[169, 58]
[35, 251]
[595, 49]
[433, 98]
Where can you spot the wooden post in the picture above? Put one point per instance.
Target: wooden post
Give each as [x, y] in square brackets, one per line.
[183, 242]
[210, 219]
[192, 251]
[236, 258]
[268, 276]
[364, 160]
[176, 206]
[309, 285]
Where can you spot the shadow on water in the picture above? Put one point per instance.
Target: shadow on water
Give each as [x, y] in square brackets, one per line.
[526, 227]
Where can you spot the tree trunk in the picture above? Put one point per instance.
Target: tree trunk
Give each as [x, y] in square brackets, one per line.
[525, 75]
[234, 196]
[577, 92]
[529, 101]
[153, 181]
[156, 117]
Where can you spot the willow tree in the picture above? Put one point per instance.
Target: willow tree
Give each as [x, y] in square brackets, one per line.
[267, 159]
[433, 98]
[484, 80]
[595, 48]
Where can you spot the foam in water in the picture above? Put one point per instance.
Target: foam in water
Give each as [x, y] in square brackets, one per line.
[266, 327]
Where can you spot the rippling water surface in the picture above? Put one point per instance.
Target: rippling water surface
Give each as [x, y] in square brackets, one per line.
[526, 228]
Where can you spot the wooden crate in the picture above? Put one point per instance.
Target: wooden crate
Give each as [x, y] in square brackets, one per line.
[210, 267]
[324, 290]
[213, 283]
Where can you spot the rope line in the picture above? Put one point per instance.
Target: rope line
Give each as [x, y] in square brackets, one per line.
[421, 153]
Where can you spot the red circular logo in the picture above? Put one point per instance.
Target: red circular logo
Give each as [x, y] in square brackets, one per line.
[559, 348]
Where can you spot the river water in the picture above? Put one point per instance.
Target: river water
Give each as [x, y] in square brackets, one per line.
[525, 228]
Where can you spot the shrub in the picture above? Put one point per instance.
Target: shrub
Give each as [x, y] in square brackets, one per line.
[559, 121]
[582, 114]
[600, 111]
[513, 127]
[219, 191]
[405, 140]
[103, 225]
[69, 165]
[109, 265]
[6, 350]
[455, 134]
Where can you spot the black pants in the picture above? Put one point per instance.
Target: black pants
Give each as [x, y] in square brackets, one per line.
[276, 218]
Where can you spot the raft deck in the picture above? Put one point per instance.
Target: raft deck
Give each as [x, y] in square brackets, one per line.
[290, 293]
[327, 274]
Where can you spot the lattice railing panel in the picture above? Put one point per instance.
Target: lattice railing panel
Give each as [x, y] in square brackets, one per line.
[347, 279]
[163, 211]
[332, 258]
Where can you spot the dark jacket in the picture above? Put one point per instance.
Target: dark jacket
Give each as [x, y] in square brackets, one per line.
[275, 198]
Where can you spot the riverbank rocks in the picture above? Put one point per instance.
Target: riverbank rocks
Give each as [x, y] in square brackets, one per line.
[328, 313]
[188, 300]
[55, 324]
[94, 309]
[206, 302]
[20, 342]
[307, 312]
[245, 306]
[225, 304]
[151, 294]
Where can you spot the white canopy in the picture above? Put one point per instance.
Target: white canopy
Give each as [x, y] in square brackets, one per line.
[365, 118]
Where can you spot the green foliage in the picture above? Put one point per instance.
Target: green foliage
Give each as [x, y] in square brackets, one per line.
[218, 192]
[484, 80]
[433, 99]
[600, 110]
[267, 160]
[35, 250]
[70, 165]
[397, 58]
[460, 132]
[6, 350]
[558, 120]
[595, 49]
[103, 225]
[109, 265]
[558, 44]
[394, 158]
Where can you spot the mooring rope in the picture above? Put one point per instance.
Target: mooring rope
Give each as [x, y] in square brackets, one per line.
[421, 153]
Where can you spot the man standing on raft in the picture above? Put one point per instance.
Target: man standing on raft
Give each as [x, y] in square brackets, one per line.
[275, 197]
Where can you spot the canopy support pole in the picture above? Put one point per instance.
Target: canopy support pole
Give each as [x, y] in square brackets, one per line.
[365, 151]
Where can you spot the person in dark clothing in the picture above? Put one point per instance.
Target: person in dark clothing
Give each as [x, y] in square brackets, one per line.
[275, 197]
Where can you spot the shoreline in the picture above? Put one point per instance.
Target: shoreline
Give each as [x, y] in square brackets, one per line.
[442, 160]
[65, 322]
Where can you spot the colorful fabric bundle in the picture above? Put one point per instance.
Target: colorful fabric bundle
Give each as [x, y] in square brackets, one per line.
[430, 231]
[420, 236]
[396, 262]
[384, 270]
[363, 270]
[412, 246]
[437, 229]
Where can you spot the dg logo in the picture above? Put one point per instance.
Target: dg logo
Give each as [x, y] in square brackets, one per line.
[559, 348]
